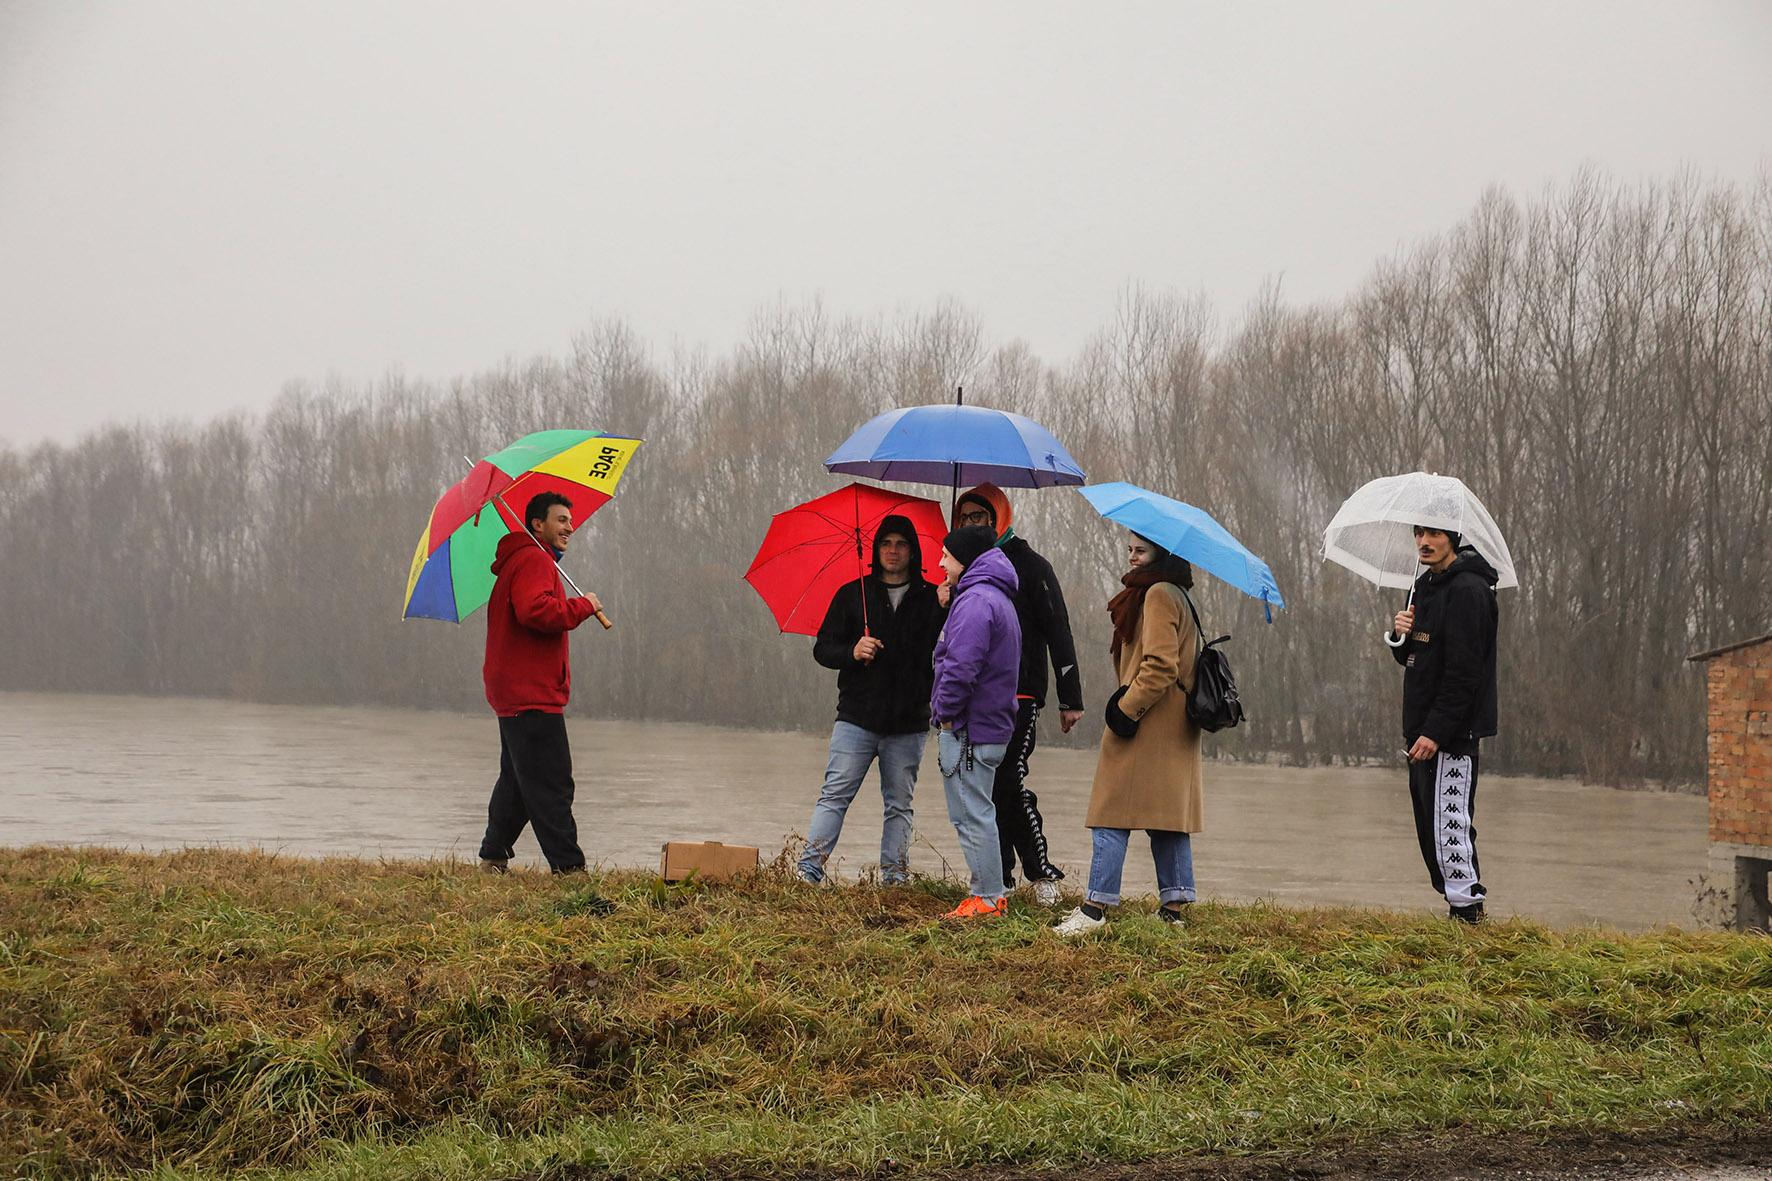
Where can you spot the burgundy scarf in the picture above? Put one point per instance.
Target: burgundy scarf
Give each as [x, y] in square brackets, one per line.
[1127, 607]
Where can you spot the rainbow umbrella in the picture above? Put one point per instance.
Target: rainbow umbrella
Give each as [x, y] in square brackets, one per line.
[451, 575]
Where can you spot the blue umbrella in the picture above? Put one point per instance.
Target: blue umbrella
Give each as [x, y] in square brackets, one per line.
[1189, 533]
[956, 445]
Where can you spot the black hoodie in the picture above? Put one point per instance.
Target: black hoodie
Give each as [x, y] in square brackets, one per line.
[890, 695]
[1045, 628]
[1449, 659]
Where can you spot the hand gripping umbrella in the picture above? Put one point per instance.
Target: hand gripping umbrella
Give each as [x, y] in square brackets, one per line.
[451, 573]
[813, 549]
[1372, 533]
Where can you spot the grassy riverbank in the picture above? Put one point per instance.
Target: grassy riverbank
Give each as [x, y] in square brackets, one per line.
[211, 1011]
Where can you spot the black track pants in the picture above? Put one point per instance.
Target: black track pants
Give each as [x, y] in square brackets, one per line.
[1020, 831]
[534, 787]
[1443, 791]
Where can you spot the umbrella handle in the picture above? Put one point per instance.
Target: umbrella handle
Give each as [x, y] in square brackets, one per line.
[1390, 638]
[861, 572]
[954, 487]
[601, 618]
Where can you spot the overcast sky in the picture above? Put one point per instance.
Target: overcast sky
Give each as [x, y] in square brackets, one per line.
[199, 202]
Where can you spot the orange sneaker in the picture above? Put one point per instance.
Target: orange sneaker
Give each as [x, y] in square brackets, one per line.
[974, 907]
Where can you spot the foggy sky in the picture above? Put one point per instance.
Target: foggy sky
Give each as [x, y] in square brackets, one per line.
[199, 202]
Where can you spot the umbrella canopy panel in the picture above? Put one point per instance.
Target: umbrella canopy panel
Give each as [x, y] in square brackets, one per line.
[956, 445]
[811, 550]
[1372, 533]
[451, 576]
[1187, 532]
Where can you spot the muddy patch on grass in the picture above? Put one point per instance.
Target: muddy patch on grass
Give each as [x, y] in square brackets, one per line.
[1693, 1155]
[1687, 1154]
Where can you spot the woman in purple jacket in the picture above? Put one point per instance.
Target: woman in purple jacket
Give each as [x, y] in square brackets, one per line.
[977, 667]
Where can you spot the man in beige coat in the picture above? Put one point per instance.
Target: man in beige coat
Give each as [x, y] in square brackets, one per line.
[1148, 775]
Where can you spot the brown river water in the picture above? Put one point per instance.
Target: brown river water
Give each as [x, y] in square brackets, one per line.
[164, 773]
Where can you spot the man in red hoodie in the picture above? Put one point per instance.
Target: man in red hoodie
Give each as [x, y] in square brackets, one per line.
[528, 683]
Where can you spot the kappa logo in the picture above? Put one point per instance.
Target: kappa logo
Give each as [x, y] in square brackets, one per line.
[1455, 857]
[1454, 771]
[1452, 809]
[1452, 793]
[1457, 875]
[1453, 826]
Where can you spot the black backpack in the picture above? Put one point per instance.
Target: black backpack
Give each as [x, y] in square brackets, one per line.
[1213, 703]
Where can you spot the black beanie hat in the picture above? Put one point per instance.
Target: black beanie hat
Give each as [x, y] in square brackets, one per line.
[968, 543]
[1453, 539]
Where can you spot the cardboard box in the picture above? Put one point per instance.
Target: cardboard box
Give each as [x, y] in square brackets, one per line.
[708, 860]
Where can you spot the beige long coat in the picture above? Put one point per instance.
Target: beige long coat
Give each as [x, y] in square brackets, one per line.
[1152, 780]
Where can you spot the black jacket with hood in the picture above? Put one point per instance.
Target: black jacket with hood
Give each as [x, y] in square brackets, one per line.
[1045, 628]
[891, 694]
[1449, 659]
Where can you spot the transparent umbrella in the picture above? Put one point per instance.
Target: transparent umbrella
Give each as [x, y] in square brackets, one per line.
[1372, 533]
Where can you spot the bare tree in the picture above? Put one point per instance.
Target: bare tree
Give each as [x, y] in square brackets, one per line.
[1597, 362]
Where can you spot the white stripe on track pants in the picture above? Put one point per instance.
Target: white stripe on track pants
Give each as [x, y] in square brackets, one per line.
[1443, 791]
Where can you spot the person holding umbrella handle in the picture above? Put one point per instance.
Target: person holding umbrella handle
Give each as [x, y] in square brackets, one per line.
[1445, 640]
[1430, 533]
[879, 635]
[528, 678]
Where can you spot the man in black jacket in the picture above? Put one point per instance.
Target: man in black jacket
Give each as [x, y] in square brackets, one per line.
[1045, 636]
[1445, 641]
[879, 634]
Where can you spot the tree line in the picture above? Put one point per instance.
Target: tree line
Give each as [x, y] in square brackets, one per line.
[1595, 362]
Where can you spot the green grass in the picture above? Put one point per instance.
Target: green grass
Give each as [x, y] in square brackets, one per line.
[203, 1013]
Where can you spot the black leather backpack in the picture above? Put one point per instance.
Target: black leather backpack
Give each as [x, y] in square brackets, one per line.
[1212, 704]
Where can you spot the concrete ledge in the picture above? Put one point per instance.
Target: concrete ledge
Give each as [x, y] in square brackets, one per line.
[1740, 849]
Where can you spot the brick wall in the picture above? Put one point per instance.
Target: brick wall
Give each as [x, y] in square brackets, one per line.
[1740, 745]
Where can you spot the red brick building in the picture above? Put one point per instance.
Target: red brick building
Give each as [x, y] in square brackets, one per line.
[1739, 692]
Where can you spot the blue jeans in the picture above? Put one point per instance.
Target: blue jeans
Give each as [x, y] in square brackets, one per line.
[968, 783]
[853, 751]
[1172, 851]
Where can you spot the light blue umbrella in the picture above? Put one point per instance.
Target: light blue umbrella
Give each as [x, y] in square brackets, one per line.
[956, 445]
[1189, 533]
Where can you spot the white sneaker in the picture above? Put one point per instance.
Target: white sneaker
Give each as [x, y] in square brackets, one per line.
[1046, 892]
[1077, 923]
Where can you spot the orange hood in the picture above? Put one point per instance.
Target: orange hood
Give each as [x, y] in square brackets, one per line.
[991, 497]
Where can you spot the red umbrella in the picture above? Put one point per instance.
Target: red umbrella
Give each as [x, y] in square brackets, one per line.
[813, 549]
